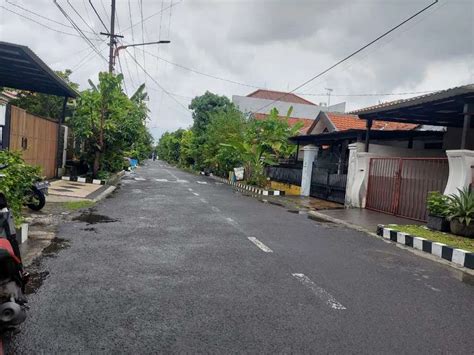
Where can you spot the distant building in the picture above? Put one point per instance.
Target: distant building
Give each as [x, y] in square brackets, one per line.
[260, 102]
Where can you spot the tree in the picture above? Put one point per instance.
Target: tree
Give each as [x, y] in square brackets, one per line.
[45, 105]
[203, 107]
[110, 124]
[223, 126]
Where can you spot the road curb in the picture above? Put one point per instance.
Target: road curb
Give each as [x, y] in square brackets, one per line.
[460, 257]
[104, 194]
[249, 188]
[429, 256]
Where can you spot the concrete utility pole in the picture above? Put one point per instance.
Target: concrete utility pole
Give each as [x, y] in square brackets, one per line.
[112, 38]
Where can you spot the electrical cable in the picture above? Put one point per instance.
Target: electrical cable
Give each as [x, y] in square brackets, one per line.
[97, 14]
[350, 55]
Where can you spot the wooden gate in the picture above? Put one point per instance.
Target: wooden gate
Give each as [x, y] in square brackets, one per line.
[36, 137]
[400, 186]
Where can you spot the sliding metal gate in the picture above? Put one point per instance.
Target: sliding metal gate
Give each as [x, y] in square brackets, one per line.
[400, 186]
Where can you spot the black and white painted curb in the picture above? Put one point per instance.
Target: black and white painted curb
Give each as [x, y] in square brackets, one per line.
[252, 189]
[457, 256]
[84, 180]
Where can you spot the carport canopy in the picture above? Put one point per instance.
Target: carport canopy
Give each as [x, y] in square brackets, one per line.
[22, 69]
[450, 108]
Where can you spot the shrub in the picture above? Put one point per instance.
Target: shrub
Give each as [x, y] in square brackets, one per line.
[461, 207]
[18, 178]
[438, 204]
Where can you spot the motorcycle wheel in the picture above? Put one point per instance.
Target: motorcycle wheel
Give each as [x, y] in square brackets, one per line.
[38, 199]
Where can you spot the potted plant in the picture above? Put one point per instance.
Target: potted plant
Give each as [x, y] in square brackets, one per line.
[438, 208]
[461, 213]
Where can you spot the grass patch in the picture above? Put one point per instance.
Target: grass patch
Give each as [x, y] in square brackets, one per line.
[77, 205]
[440, 237]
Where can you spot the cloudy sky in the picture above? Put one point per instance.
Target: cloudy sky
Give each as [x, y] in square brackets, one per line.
[273, 44]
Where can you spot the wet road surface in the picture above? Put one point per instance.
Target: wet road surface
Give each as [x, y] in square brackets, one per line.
[175, 262]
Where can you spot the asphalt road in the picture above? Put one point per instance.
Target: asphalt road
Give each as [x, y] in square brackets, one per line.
[187, 265]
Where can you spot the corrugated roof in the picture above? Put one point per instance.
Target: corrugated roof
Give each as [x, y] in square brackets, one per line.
[307, 122]
[278, 96]
[434, 96]
[21, 69]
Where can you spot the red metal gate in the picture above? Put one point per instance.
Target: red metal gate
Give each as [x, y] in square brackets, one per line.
[400, 186]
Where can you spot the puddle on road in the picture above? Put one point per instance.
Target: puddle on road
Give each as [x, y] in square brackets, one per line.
[90, 229]
[37, 273]
[90, 217]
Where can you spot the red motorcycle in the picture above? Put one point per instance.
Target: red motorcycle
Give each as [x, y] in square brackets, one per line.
[12, 275]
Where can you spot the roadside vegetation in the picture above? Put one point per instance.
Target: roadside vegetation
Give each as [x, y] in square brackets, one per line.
[223, 138]
[436, 236]
[77, 205]
[16, 180]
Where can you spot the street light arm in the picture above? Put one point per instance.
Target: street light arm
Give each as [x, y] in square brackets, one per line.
[125, 46]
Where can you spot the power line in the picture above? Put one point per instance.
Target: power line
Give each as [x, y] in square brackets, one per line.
[350, 55]
[143, 33]
[156, 82]
[39, 15]
[133, 35]
[77, 28]
[42, 24]
[362, 59]
[202, 73]
[153, 15]
[97, 14]
[87, 24]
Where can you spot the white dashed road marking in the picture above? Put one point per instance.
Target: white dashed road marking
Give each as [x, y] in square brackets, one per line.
[215, 209]
[259, 244]
[202, 182]
[203, 200]
[161, 180]
[139, 179]
[190, 189]
[319, 292]
[182, 181]
[195, 194]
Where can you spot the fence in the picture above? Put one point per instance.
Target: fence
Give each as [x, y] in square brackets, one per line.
[290, 174]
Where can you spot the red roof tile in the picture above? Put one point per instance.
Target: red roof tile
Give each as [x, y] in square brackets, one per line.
[307, 122]
[277, 96]
[344, 122]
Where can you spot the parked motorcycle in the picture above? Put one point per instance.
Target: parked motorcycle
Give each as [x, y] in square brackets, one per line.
[36, 196]
[12, 276]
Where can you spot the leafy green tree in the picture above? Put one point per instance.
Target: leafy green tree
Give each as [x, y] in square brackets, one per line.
[110, 124]
[223, 127]
[263, 143]
[186, 156]
[46, 105]
[203, 107]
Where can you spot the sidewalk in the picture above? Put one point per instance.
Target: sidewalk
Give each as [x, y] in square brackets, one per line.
[363, 218]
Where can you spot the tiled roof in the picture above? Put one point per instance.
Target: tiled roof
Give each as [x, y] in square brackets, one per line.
[277, 96]
[307, 122]
[343, 122]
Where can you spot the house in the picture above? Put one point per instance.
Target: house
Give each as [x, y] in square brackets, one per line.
[41, 140]
[326, 149]
[261, 102]
[396, 181]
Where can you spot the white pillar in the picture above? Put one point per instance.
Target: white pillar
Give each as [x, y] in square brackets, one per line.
[461, 170]
[357, 175]
[309, 154]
